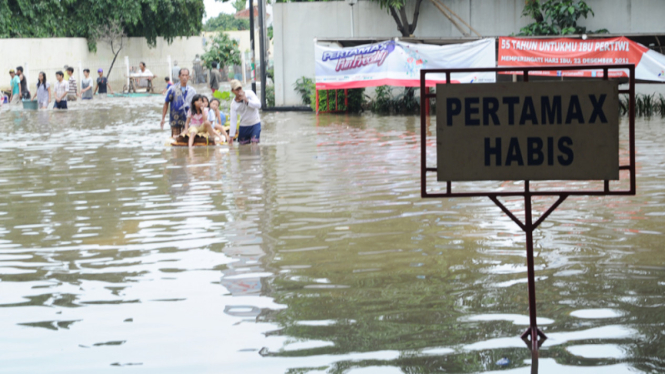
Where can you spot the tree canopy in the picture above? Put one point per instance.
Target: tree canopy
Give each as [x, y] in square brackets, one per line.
[556, 17]
[79, 18]
[239, 5]
[222, 50]
[226, 22]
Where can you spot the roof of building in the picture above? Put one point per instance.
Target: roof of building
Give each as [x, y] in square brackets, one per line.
[244, 14]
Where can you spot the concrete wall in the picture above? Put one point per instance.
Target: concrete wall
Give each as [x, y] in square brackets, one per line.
[50, 55]
[297, 24]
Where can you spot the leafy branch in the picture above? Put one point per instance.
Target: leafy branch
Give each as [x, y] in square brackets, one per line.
[556, 17]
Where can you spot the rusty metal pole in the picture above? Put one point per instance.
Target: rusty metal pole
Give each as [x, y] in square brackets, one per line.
[252, 43]
[528, 229]
[336, 100]
[317, 102]
[423, 137]
[346, 99]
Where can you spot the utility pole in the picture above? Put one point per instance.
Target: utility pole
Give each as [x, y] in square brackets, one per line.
[251, 42]
[262, 52]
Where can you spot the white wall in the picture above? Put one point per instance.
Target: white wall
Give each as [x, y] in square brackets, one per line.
[50, 55]
[297, 24]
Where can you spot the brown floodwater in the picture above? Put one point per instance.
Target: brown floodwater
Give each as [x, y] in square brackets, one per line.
[309, 253]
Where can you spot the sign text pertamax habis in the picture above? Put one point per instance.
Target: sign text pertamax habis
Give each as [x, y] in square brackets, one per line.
[528, 131]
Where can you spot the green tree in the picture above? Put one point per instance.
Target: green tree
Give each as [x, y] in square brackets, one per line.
[112, 35]
[81, 18]
[226, 22]
[556, 17]
[397, 9]
[239, 5]
[223, 50]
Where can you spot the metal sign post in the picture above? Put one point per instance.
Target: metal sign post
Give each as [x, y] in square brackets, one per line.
[533, 336]
[252, 31]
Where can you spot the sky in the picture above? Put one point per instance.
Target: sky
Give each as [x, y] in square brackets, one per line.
[213, 8]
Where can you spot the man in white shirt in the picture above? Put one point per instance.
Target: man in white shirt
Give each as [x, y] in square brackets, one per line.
[143, 73]
[61, 90]
[247, 105]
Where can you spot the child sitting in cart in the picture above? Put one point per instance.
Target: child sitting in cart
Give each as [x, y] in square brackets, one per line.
[197, 121]
[217, 119]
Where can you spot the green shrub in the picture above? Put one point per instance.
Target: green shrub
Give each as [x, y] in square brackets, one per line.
[404, 103]
[305, 87]
[357, 100]
[645, 105]
[270, 96]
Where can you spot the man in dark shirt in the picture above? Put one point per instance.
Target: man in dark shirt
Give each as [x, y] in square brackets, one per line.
[25, 93]
[215, 78]
[102, 83]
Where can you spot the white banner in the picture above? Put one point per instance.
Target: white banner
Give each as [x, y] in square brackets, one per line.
[399, 64]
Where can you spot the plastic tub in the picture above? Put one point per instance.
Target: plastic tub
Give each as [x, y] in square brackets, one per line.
[30, 104]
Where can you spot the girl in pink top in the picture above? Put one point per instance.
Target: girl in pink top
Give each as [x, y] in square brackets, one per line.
[197, 121]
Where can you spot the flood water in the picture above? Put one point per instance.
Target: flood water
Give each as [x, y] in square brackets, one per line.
[310, 253]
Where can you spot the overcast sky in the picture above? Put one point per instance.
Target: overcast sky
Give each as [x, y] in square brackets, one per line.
[213, 8]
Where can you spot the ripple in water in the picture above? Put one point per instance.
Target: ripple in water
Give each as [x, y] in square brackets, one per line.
[312, 252]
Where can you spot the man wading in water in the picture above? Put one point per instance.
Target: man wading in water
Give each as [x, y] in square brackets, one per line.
[247, 105]
[179, 96]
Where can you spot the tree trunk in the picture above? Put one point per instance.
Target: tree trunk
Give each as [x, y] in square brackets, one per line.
[403, 26]
[416, 14]
[400, 27]
[113, 62]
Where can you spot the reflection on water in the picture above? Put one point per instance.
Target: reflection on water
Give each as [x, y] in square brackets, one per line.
[312, 252]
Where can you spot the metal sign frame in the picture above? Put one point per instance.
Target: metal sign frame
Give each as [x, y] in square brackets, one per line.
[533, 337]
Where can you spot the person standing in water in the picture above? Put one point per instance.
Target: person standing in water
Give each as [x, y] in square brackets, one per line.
[86, 85]
[168, 85]
[25, 93]
[102, 83]
[61, 90]
[247, 105]
[198, 70]
[43, 94]
[215, 78]
[174, 72]
[179, 97]
[144, 73]
[15, 82]
[73, 94]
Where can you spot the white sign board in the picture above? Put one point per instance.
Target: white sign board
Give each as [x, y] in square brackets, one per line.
[528, 131]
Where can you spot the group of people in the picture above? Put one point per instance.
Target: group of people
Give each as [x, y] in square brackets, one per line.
[192, 114]
[65, 88]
